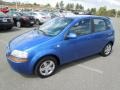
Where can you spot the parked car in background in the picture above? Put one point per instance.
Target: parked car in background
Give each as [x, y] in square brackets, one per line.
[22, 19]
[40, 17]
[68, 14]
[59, 41]
[4, 9]
[53, 15]
[27, 19]
[6, 22]
[62, 14]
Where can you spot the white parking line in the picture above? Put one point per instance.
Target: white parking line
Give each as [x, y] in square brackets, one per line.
[91, 69]
[2, 41]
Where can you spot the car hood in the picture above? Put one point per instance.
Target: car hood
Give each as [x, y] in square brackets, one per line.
[28, 40]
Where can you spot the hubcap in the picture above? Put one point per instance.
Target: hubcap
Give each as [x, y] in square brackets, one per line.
[47, 67]
[108, 49]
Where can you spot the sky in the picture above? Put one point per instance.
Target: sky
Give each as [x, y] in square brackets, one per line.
[86, 3]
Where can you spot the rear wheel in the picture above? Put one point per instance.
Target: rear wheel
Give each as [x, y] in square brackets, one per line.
[107, 50]
[46, 67]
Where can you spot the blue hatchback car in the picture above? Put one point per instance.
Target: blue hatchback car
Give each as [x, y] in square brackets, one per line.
[59, 41]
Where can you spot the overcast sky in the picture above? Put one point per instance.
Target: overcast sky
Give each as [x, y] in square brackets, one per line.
[86, 3]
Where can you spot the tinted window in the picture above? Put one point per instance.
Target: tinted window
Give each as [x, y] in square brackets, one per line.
[99, 25]
[81, 28]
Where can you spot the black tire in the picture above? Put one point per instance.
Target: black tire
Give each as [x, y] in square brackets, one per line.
[41, 62]
[104, 53]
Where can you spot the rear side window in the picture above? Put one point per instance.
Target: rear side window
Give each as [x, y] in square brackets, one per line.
[99, 25]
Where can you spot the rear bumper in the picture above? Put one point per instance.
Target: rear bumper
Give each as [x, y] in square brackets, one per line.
[27, 22]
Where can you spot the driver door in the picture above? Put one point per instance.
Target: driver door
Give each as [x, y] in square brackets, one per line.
[82, 45]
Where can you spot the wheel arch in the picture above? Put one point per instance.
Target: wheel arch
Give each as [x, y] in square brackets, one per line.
[52, 55]
[112, 42]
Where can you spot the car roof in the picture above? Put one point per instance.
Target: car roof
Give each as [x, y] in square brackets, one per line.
[86, 16]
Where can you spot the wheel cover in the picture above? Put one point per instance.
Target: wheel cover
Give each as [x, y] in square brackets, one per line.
[47, 68]
[108, 49]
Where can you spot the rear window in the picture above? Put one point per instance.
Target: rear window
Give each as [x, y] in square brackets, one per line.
[99, 25]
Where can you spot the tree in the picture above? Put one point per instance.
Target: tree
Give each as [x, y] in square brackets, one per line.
[35, 3]
[111, 13]
[118, 14]
[79, 7]
[67, 7]
[48, 5]
[61, 5]
[102, 11]
[57, 6]
[93, 11]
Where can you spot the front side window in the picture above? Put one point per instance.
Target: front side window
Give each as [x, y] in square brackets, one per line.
[83, 27]
[99, 25]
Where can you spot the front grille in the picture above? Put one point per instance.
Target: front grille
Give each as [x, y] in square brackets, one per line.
[5, 20]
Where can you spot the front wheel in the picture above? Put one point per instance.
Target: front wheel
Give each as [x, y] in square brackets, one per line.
[107, 50]
[46, 67]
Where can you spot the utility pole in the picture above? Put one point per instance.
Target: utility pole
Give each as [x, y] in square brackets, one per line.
[116, 14]
[16, 5]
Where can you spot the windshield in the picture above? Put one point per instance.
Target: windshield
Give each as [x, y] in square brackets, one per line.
[55, 26]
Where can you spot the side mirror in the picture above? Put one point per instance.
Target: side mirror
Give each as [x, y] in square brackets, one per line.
[71, 36]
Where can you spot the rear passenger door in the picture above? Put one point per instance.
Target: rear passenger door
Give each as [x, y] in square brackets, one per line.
[100, 33]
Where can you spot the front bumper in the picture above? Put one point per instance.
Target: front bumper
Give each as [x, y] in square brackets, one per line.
[6, 25]
[21, 67]
[28, 22]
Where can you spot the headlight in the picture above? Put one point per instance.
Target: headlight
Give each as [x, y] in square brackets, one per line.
[19, 54]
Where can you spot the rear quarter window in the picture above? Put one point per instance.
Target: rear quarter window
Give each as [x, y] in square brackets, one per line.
[108, 24]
